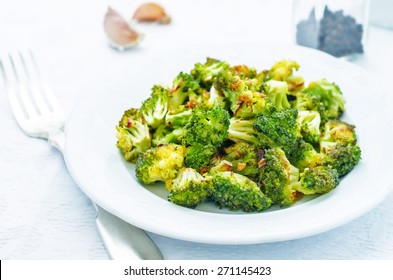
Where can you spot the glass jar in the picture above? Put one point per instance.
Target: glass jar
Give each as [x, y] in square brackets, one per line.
[333, 26]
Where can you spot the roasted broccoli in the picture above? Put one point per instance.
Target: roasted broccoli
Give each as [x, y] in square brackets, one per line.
[237, 192]
[133, 136]
[207, 126]
[240, 130]
[166, 135]
[160, 163]
[248, 104]
[245, 71]
[277, 93]
[199, 156]
[339, 131]
[179, 117]
[155, 107]
[305, 156]
[317, 180]
[330, 95]
[244, 158]
[279, 179]
[189, 188]
[213, 98]
[205, 73]
[309, 122]
[340, 156]
[241, 138]
[283, 69]
[184, 89]
[278, 128]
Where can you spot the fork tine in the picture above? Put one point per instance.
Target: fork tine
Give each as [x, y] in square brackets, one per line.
[35, 82]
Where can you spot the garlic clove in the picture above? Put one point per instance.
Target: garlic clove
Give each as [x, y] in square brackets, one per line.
[119, 31]
[151, 12]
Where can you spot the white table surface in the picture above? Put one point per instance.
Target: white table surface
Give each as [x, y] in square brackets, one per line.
[43, 213]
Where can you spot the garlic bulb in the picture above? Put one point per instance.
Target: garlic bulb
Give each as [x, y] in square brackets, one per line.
[119, 31]
[151, 12]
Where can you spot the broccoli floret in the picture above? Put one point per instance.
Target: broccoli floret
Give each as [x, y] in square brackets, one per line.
[184, 88]
[248, 104]
[166, 134]
[178, 117]
[318, 180]
[308, 102]
[305, 156]
[339, 131]
[283, 69]
[244, 95]
[340, 156]
[278, 128]
[277, 93]
[243, 131]
[330, 95]
[155, 107]
[245, 71]
[244, 158]
[205, 73]
[207, 126]
[214, 98]
[199, 156]
[220, 165]
[295, 83]
[279, 178]
[189, 188]
[133, 136]
[160, 163]
[237, 192]
[309, 122]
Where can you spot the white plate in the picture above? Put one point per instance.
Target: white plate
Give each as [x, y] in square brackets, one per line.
[98, 167]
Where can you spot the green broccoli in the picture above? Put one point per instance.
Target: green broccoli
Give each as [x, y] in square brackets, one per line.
[155, 107]
[295, 83]
[248, 104]
[340, 156]
[199, 156]
[207, 126]
[244, 95]
[240, 130]
[309, 122]
[179, 117]
[330, 95]
[237, 192]
[160, 163]
[308, 102]
[166, 135]
[278, 128]
[277, 93]
[244, 158]
[305, 156]
[206, 73]
[184, 88]
[283, 69]
[213, 98]
[339, 131]
[317, 180]
[219, 165]
[189, 188]
[133, 136]
[279, 179]
[245, 71]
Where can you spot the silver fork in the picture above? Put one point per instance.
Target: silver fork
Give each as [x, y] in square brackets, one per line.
[38, 113]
